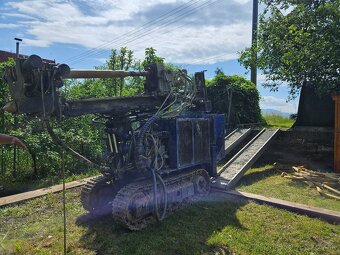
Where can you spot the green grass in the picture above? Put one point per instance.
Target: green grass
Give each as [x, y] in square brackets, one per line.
[12, 187]
[214, 226]
[267, 181]
[278, 121]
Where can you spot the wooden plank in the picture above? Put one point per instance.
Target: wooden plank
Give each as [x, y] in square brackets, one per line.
[328, 215]
[40, 192]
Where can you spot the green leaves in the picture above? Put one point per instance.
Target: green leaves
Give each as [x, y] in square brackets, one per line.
[151, 57]
[298, 42]
[244, 102]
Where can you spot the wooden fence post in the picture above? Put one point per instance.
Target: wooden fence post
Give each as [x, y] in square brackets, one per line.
[337, 134]
[3, 166]
[15, 151]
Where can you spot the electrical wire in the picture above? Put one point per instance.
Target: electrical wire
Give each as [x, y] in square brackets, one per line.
[136, 30]
[185, 14]
[80, 157]
[176, 28]
[144, 33]
[156, 28]
[211, 58]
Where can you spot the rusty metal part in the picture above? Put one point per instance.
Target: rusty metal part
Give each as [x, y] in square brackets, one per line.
[10, 107]
[112, 105]
[133, 205]
[82, 74]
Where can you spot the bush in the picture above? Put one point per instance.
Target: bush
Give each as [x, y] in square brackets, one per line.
[245, 107]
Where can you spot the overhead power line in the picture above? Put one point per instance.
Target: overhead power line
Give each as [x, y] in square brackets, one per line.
[156, 28]
[133, 31]
[211, 58]
[142, 34]
[167, 32]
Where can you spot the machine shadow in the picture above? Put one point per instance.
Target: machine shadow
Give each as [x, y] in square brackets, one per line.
[184, 232]
[254, 177]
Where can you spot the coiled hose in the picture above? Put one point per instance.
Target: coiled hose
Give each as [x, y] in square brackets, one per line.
[141, 164]
[156, 175]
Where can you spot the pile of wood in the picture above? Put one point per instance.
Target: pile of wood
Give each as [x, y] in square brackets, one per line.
[327, 184]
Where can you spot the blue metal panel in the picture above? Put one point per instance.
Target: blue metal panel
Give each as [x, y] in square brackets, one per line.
[170, 126]
[218, 130]
[193, 141]
[198, 145]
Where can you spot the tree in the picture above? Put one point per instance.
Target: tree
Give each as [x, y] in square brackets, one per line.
[123, 59]
[299, 44]
[118, 60]
[151, 57]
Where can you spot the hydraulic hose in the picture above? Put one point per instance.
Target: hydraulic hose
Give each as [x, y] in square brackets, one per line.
[139, 150]
[140, 164]
[156, 175]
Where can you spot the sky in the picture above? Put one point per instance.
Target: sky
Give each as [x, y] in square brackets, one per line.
[193, 34]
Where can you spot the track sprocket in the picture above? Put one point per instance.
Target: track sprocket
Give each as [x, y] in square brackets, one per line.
[97, 195]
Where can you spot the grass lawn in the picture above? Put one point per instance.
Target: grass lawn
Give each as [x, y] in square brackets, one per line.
[9, 187]
[278, 121]
[267, 181]
[213, 226]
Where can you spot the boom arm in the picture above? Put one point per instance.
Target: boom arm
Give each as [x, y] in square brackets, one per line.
[34, 87]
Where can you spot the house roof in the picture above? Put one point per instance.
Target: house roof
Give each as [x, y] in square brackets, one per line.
[5, 55]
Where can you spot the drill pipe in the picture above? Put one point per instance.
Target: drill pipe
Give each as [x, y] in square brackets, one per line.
[82, 74]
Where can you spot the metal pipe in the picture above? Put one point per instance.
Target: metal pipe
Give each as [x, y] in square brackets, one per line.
[82, 74]
[17, 50]
[17, 47]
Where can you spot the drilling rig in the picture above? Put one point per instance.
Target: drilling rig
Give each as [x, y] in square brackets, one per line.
[161, 146]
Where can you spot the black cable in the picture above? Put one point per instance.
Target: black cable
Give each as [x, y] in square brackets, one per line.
[185, 14]
[141, 165]
[139, 149]
[80, 157]
[156, 175]
[190, 12]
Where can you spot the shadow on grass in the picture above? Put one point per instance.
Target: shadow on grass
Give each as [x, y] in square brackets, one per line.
[257, 176]
[184, 232]
[298, 184]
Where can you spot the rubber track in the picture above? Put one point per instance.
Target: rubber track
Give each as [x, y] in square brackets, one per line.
[85, 195]
[122, 199]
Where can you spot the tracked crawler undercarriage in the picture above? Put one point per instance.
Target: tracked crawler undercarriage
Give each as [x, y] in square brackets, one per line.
[133, 205]
[161, 146]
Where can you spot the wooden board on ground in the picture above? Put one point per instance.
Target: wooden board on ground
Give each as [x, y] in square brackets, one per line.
[40, 192]
[328, 215]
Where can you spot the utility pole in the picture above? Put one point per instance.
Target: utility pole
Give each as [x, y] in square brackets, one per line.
[253, 71]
